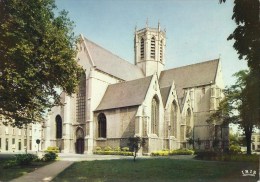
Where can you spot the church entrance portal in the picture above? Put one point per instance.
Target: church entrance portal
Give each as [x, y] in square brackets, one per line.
[79, 145]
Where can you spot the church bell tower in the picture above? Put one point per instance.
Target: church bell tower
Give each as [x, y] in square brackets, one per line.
[149, 50]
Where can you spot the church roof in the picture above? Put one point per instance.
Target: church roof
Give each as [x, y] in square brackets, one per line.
[124, 94]
[109, 63]
[194, 75]
[165, 93]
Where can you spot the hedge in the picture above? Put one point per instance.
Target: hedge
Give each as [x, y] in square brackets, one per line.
[52, 149]
[114, 153]
[172, 152]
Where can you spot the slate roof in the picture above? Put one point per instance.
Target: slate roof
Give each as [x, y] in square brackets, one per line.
[109, 63]
[124, 94]
[165, 93]
[193, 75]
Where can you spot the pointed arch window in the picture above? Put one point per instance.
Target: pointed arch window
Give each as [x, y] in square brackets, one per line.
[58, 126]
[188, 123]
[81, 100]
[155, 116]
[173, 119]
[153, 48]
[102, 126]
[142, 48]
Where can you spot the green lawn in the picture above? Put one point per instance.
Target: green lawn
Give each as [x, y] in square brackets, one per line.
[156, 170]
[6, 174]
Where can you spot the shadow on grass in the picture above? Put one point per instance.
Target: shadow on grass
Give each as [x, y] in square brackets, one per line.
[7, 174]
[157, 170]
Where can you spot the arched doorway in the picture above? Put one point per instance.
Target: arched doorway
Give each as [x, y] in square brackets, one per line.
[79, 141]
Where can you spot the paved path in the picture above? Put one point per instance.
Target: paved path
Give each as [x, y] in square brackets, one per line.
[46, 173]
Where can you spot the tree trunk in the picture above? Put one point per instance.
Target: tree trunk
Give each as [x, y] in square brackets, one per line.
[248, 134]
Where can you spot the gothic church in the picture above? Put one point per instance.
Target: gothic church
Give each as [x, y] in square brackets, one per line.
[117, 100]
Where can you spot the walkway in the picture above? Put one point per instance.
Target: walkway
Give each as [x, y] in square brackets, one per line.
[46, 173]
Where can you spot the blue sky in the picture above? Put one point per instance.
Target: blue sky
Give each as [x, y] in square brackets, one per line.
[196, 30]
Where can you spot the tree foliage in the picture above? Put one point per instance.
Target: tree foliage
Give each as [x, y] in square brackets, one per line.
[37, 56]
[236, 107]
[136, 143]
[246, 14]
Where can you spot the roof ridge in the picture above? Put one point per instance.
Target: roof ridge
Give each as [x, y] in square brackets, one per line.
[121, 59]
[194, 64]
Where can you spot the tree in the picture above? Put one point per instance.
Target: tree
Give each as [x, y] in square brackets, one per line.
[236, 108]
[136, 143]
[37, 57]
[246, 14]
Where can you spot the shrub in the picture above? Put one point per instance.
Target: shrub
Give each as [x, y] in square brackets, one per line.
[102, 152]
[235, 149]
[160, 153]
[50, 156]
[181, 152]
[25, 159]
[206, 155]
[172, 152]
[10, 163]
[98, 148]
[52, 149]
[117, 149]
[107, 148]
[125, 149]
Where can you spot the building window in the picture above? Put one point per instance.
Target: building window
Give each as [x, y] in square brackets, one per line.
[153, 48]
[142, 48]
[173, 119]
[19, 132]
[13, 131]
[188, 123]
[0, 143]
[13, 143]
[81, 100]
[203, 90]
[6, 144]
[58, 127]
[19, 145]
[25, 143]
[6, 130]
[161, 50]
[102, 126]
[155, 116]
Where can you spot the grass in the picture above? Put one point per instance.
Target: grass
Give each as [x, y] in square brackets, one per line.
[7, 174]
[156, 170]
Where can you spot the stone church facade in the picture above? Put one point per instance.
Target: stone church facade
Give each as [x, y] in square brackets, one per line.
[117, 100]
